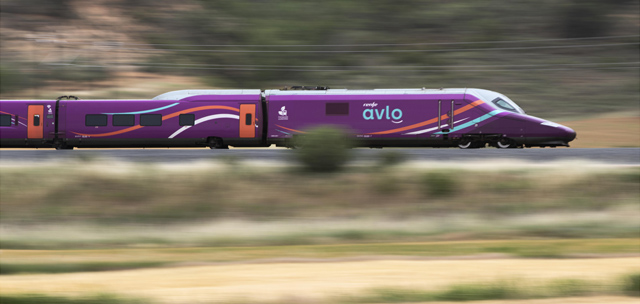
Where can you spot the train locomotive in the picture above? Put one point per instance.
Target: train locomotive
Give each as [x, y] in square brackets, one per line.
[466, 118]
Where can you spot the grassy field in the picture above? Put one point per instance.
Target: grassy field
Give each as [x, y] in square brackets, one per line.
[98, 231]
[78, 191]
[15, 261]
[322, 281]
[606, 131]
[206, 204]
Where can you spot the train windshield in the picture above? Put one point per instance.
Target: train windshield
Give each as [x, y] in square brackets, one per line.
[504, 103]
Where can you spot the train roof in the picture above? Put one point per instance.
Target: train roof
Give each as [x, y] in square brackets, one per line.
[366, 92]
[181, 94]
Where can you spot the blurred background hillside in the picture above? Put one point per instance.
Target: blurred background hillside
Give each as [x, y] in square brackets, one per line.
[556, 58]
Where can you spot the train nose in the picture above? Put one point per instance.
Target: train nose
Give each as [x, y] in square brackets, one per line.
[571, 134]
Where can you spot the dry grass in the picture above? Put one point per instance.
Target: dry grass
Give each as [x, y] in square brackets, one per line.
[206, 284]
[330, 253]
[611, 131]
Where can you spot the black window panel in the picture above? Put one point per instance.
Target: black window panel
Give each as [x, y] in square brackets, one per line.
[337, 108]
[36, 120]
[95, 120]
[151, 120]
[247, 119]
[187, 119]
[5, 120]
[124, 120]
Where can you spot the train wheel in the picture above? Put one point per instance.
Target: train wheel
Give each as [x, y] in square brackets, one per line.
[216, 143]
[505, 143]
[467, 143]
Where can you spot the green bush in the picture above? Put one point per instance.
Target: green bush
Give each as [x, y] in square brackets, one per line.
[391, 158]
[631, 285]
[439, 184]
[323, 149]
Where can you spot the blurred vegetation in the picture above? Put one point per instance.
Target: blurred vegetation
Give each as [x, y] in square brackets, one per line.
[49, 8]
[408, 204]
[440, 184]
[15, 78]
[631, 285]
[464, 292]
[103, 258]
[11, 268]
[498, 290]
[372, 44]
[323, 149]
[53, 299]
[148, 193]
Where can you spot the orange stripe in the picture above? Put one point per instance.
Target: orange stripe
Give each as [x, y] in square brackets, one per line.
[136, 127]
[290, 129]
[430, 121]
[163, 118]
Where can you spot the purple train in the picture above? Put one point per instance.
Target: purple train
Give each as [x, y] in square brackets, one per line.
[467, 118]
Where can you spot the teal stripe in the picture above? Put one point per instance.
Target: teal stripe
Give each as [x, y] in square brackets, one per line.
[146, 111]
[473, 122]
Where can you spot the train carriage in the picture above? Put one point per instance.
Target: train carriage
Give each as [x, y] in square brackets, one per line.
[468, 118]
[215, 118]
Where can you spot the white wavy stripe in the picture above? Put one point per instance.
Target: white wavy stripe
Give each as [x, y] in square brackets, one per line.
[432, 129]
[203, 119]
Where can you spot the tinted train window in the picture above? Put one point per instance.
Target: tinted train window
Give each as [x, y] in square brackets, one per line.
[95, 120]
[124, 120]
[337, 108]
[151, 119]
[187, 119]
[504, 105]
[5, 120]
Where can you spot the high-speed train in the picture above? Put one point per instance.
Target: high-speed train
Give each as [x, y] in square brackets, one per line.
[466, 118]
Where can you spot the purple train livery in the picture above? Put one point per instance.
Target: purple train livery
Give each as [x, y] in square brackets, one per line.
[467, 118]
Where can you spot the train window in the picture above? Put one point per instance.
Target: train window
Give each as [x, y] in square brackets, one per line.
[504, 105]
[247, 119]
[151, 119]
[5, 120]
[95, 120]
[337, 108]
[123, 120]
[187, 119]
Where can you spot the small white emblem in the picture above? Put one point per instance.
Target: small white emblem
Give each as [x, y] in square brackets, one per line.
[283, 114]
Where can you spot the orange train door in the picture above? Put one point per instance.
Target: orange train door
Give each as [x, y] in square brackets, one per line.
[247, 120]
[35, 122]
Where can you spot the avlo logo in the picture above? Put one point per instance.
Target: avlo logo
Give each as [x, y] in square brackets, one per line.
[385, 113]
